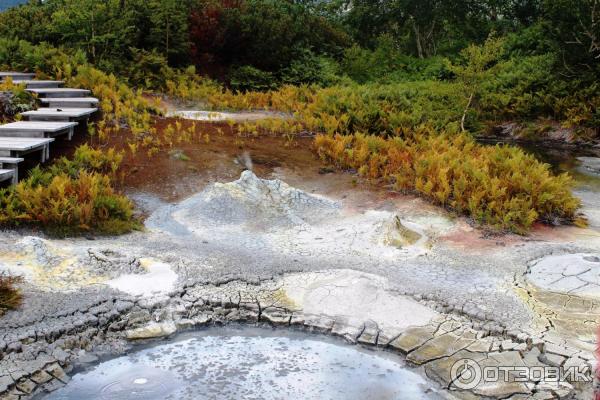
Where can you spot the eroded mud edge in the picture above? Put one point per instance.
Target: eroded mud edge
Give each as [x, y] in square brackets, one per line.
[39, 356]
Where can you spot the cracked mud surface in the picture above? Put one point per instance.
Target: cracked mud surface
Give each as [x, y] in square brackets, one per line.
[388, 272]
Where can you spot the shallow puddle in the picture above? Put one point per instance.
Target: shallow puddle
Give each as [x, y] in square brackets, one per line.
[231, 363]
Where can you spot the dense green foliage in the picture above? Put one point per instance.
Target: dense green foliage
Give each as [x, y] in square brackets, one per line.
[107, 31]
[274, 42]
[382, 79]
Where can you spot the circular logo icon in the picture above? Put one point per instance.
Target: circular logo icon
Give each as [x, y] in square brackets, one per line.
[465, 374]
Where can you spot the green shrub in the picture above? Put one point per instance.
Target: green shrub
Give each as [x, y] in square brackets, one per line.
[149, 69]
[311, 69]
[386, 64]
[249, 78]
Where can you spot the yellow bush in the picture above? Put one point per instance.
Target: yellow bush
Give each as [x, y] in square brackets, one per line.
[65, 205]
[500, 186]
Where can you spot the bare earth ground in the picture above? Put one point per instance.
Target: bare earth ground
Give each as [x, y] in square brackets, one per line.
[293, 244]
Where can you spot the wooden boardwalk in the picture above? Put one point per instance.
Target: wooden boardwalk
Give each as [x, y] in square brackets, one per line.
[59, 114]
[16, 75]
[40, 127]
[70, 102]
[35, 129]
[59, 92]
[32, 84]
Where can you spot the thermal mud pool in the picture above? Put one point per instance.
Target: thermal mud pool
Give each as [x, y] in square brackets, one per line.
[249, 363]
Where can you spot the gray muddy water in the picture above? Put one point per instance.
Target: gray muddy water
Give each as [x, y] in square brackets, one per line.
[248, 363]
[587, 180]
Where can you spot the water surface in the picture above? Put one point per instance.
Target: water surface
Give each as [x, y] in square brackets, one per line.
[247, 363]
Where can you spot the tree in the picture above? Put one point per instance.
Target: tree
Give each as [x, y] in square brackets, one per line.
[169, 29]
[101, 28]
[576, 27]
[264, 34]
[479, 61]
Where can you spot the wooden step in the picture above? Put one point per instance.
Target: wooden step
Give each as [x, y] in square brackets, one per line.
[11, 163]
[60, 92]
[38, 84]
[6, 174]
[10, 160]
[70, 102]
[18, 146]
[37, 129]
[59, 114]
[16, 75]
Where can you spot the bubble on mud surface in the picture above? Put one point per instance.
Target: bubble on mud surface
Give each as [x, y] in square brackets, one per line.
[249, 363]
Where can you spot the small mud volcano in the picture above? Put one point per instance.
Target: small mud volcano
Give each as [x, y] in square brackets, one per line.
[249, 363]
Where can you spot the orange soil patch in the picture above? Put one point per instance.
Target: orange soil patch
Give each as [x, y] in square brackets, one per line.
[186, 168]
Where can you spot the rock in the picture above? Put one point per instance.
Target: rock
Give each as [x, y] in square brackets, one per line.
[532, 358]
[412, 339]
[5, 382]
[370, 334]
[521, 347]
[60, 355]
[355, 296]
[26, 386]
[507, 130]
[343, 329]
[86, 358]
[12, 395]
[559, 350]
[553, 360]
[275, 316]
[440, 370]
[318, 323]
[111, 263]
[543, 395]
[184, 323]
[438, 347]
[508, 345]
[53, 385]
[152, 330]
[41, 377]
[480, 346]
